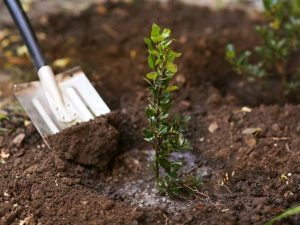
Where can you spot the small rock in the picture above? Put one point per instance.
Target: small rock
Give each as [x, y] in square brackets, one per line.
[246, 109]
[19, 139]
[180, 80]
[70, 181]
[275, 127]
[253, 131]
[108, 205]
[184, 105]
[213, 127]
[250, 140]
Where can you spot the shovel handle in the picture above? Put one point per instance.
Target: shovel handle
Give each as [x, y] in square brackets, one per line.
[22, 21]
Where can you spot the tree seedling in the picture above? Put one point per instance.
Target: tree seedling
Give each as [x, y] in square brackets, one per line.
[165, 131]
[280, 39]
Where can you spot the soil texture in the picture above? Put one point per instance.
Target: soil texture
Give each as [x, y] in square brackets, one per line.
[93, 143]
[245, 136]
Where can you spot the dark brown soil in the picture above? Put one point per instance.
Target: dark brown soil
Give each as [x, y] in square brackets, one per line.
[92, 143]
[248, 157]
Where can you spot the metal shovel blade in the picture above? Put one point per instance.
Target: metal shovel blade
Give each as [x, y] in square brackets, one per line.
[75, 88]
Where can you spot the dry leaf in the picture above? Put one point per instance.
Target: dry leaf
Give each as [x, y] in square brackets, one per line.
[4, 155]
[22, 50]
[61, 63]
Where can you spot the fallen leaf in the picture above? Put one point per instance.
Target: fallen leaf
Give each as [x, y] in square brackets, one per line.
[4, 155]
[22, 50]
[61, 63]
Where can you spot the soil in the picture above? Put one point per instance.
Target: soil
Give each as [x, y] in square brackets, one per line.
[247, 156]
[82, 143]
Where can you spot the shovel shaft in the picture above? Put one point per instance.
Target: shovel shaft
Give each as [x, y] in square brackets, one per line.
[26, 30]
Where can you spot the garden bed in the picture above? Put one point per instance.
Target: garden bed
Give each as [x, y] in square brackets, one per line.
[248, 156]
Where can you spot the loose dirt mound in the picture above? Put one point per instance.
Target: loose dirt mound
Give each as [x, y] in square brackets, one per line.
[93, 143]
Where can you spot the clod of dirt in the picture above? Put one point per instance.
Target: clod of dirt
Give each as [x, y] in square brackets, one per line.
[93, 143]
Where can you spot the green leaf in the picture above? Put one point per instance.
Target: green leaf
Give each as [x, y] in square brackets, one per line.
[230, 51]
[269, 4]
[149, 43]
[151, 76]
[286, 214]
[163, 129]
[3, 116]
[166, 33]
[155, 30]
[148, 135]
[173, 55]
[156, 39]
[150, 112]
[171, 67]
[151, 62]
[171, 88]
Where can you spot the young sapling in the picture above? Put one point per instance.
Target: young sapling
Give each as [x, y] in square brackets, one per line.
[280, 39]
[165, 131]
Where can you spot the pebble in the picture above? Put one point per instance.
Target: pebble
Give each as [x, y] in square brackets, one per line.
[213, 127]
[184, 105]
[108, 205]
[19, 139]
[180, 80]
[275, 127]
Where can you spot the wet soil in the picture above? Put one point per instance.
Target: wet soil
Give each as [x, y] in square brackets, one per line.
[247, 156]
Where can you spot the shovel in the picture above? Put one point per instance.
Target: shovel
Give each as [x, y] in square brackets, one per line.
[54, 102]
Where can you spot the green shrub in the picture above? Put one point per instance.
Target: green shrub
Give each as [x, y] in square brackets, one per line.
[165, 131]
[280, 39]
